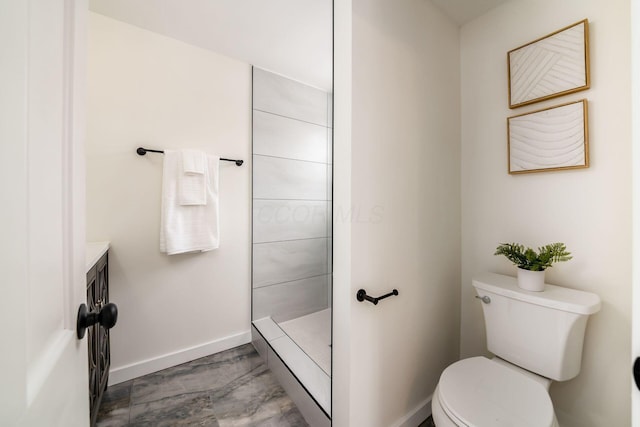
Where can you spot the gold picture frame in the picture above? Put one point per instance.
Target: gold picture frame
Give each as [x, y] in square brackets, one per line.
[551, 139]
[551, 66]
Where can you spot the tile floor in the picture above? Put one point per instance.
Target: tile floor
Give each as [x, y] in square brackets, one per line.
[231, 388]
[428, 422]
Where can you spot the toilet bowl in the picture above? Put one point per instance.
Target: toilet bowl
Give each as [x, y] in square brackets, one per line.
[536, 337]
[482, 392]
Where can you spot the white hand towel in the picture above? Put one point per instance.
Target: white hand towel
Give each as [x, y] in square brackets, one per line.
[188, 228]
[192, 185]
[194, 161]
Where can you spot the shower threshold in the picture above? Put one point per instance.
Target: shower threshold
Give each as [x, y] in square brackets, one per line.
[304, 345]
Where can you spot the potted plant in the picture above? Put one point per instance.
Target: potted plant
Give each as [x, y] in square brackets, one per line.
[532, 264]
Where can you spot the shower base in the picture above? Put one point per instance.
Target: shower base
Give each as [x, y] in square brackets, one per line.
[312, 333]
[304, 345]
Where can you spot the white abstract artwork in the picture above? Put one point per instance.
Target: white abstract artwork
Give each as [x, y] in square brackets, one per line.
[554, 65]
[551, 139]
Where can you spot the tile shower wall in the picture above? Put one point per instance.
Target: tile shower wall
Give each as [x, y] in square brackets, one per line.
[291, 197]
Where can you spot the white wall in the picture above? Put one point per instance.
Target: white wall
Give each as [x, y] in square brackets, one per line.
[342, 295]
[588, 209]
[290, 37]
[150, 90]
[404, 201]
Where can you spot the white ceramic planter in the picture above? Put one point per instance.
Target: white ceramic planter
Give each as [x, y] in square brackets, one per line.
[531, 280]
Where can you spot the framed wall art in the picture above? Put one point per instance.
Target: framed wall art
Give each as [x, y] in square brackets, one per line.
[555, 138]
[554, 65]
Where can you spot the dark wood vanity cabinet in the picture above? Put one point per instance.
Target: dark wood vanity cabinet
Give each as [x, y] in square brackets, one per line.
[98, 336]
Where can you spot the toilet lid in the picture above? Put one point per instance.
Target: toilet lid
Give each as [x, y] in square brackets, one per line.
[480, 392]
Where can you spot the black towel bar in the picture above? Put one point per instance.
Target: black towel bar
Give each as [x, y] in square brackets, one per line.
[142, 151]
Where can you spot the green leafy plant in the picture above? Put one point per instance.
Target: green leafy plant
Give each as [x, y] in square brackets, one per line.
[529, 259]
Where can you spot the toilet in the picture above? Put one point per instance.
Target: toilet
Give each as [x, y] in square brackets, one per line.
[536, 338]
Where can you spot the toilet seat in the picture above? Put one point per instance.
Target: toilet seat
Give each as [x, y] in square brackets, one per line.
[479, 392]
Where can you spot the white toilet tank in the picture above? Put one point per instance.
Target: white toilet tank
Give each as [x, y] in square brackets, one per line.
[542, 332]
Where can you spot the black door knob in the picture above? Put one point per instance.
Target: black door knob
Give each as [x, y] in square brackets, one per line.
[636, 372]
[106, 317]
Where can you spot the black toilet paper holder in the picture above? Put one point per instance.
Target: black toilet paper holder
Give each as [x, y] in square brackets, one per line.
[361, 296]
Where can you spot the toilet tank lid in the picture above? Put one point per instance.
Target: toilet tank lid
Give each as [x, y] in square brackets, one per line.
[557, 297]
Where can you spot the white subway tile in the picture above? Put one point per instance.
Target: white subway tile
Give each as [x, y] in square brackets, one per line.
[279, 95]
[277, 220]
[279, 136]
[278, 262]
[289, 300]
[275, 178]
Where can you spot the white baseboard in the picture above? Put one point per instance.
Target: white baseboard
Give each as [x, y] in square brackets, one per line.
[124, 373]
[416, 415]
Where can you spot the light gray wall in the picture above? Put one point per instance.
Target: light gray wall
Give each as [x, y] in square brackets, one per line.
[291, 197]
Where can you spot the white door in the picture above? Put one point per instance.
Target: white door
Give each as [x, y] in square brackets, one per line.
[43, 366]
[635, 113]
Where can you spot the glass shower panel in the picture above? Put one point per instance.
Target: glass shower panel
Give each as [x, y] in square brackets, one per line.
[292, 226]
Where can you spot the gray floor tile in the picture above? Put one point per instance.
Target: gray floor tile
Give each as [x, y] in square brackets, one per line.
[230, 388]
[115, 406]
[428, 422]
[208, 373]
[193, 409]
[115, 418]
[262, 402]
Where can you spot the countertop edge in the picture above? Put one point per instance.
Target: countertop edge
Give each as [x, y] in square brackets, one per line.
[94, 251]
